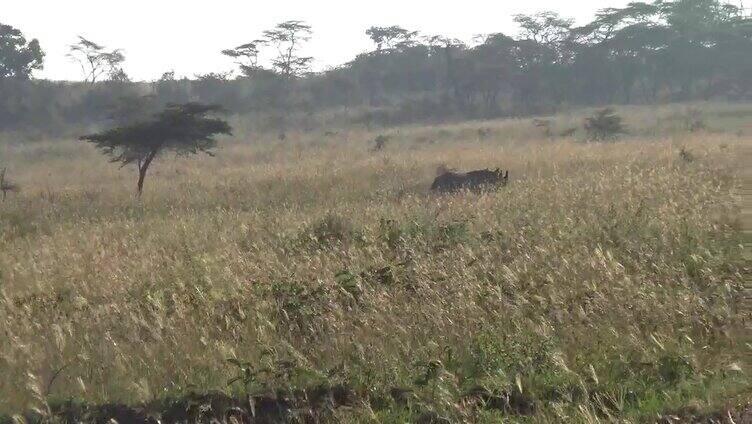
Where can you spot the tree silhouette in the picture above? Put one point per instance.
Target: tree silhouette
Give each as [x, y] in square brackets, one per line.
[18, 58]
[387, 38]
[95, 61]
[644, 52]
[185, 129]
[288, 37]
[246, 56]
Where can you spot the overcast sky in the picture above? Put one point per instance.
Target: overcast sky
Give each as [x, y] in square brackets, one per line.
[187, 35]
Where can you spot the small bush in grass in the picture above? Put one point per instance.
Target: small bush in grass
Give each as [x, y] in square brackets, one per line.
[6, 185]
[673, 369]
[349, 283]
[686, 155]
[546, 125]
[484, 133]
[525, 353]
[694, 121]
[380, 142]
[332, 229]
[17, 223]
[452, 234]
[604, 125]
[390, 233]
[301, 306]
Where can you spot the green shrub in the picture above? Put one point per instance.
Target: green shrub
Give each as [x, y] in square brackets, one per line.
[604, 125]
[330, 230]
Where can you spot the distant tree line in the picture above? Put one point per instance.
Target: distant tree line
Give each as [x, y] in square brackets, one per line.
[667, 50]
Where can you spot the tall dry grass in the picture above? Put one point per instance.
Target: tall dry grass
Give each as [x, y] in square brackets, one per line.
[603, 283]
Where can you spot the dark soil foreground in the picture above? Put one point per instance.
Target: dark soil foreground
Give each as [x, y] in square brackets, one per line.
[312, 406]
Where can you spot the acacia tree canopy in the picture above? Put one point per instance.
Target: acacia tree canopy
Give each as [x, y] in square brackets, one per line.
[184, 129]
[246, 56]
[96, 61]
[18, 58]
[288, 37]
[390, 37]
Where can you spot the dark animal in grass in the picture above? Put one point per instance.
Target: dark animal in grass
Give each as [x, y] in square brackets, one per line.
[451, 181]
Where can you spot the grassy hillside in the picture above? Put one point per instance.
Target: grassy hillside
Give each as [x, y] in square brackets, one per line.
[605, 282]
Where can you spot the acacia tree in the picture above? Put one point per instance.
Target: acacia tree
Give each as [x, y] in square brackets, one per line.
[246, 56]
[487, 71]
[18, 58]
[184, 129]
[390, 37]
[544, 27]
[288, 37]
[96, 61]
[682, 46]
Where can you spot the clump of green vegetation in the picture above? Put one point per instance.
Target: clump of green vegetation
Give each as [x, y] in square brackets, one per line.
[568, 132]
[694, 120]
[484, 133]
[380, 142]
[604, 124]
[6, 185]
[686, 155]
[451, 233]
[332, 229]
[545, 125]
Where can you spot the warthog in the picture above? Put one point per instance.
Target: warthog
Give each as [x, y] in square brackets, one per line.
[452, 181]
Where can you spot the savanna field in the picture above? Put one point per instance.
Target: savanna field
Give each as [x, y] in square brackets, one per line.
[317, 280]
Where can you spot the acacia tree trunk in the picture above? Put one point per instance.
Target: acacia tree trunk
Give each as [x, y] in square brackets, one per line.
[142, 168]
